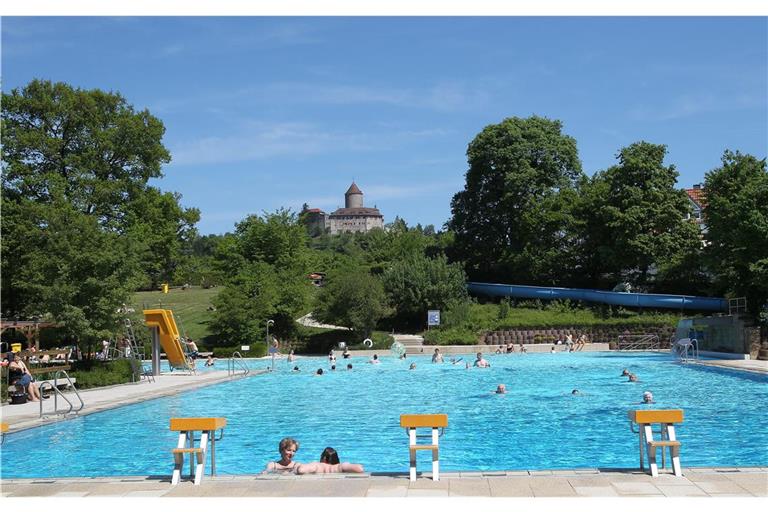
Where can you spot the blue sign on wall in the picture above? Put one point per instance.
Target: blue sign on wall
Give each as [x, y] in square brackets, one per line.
[433, 317]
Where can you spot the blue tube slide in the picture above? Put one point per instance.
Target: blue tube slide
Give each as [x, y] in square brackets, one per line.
[635, 300]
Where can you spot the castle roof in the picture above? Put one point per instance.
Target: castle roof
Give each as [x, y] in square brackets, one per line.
[353, 190]
[360, 212]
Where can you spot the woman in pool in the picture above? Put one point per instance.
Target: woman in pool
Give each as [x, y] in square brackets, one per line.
[288, 448]
[209, 361]
[329, 463]
[374, 359]
[647, 398]
[291, 356]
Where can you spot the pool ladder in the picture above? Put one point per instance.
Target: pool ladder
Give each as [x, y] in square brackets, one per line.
[235, 365]
[57, 393]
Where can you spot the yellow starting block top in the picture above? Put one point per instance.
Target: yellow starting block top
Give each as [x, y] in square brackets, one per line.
[423, 420]
[203, 424]
[658, 416]
[3, 427]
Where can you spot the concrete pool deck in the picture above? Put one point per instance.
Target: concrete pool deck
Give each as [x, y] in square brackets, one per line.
[589, 483]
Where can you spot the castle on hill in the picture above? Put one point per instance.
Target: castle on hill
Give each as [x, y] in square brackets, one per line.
[353, 218]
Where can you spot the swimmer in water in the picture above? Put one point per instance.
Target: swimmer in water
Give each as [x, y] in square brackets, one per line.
[501, 389]
[647, 398]
[412, 367]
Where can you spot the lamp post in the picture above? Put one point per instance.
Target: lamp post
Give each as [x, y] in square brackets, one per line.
[270, 322]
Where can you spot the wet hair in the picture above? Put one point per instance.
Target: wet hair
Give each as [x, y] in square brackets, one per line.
[349, 366]
[329, 456]
[375, 356]
[333, 367]
[296, 369]
[319, 371]
[286, 442]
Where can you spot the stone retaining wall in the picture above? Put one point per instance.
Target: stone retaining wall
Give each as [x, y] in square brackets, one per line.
[601, 334]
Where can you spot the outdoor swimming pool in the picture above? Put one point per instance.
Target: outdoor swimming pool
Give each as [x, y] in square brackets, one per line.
[538, 424]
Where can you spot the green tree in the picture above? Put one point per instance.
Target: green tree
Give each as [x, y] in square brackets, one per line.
[419, 284]
[352, 298]
[636, 218]
[265, 265]
[508, 220]
[736, 214]
[75, 168]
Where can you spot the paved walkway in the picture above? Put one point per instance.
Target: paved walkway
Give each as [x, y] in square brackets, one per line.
[750, 365]
[27, 415]
[695, 482]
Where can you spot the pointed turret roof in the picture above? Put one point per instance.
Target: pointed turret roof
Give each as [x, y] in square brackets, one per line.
[353, 190]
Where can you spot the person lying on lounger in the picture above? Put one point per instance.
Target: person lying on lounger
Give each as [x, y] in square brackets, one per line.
[329, 463]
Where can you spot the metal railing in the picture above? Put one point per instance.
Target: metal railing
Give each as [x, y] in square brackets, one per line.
[638, 342]
[235, 364]
[57, 393]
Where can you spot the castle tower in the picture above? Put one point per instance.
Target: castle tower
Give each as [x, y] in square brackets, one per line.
[353, 198]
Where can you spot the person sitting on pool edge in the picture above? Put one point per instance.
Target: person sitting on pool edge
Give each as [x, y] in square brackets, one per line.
[480, 362]
[288, 448]
[329, 463]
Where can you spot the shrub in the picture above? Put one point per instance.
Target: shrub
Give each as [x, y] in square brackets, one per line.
[93, 374]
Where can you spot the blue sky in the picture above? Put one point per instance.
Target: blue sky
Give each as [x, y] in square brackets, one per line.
[269, 112]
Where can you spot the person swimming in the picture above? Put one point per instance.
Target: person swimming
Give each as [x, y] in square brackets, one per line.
[374, 359]
[501, 389]
[647, 398]
[319, 371]
[412, 367]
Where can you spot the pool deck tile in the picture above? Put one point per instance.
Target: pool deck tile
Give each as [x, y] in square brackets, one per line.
[459, 487]
[511, 487]
[728, 487]
[596, 491]
[681, 490]
[636, 488]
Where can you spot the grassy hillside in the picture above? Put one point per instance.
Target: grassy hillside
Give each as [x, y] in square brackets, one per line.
[190, 308]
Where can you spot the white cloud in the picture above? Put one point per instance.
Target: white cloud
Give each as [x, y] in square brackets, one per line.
[261, 140]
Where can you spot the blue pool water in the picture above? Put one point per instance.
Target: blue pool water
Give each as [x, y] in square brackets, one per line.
[537, 425]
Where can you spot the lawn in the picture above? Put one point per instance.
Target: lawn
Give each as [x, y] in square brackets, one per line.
[190, 308]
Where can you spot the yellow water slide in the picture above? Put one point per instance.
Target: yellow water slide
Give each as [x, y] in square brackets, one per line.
[169, 336]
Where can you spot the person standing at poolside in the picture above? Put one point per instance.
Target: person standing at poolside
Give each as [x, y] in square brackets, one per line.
[437, 357]
[288, 448]
[480, 362]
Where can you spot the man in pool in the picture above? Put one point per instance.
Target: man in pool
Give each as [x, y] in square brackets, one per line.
[437, 357]
[480, 362]
[501, 389]
[374, 359]
[647, 398]
[412, 367]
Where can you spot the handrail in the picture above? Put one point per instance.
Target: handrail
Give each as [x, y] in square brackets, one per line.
[236, 360]
[56, 393]
[638, 342]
